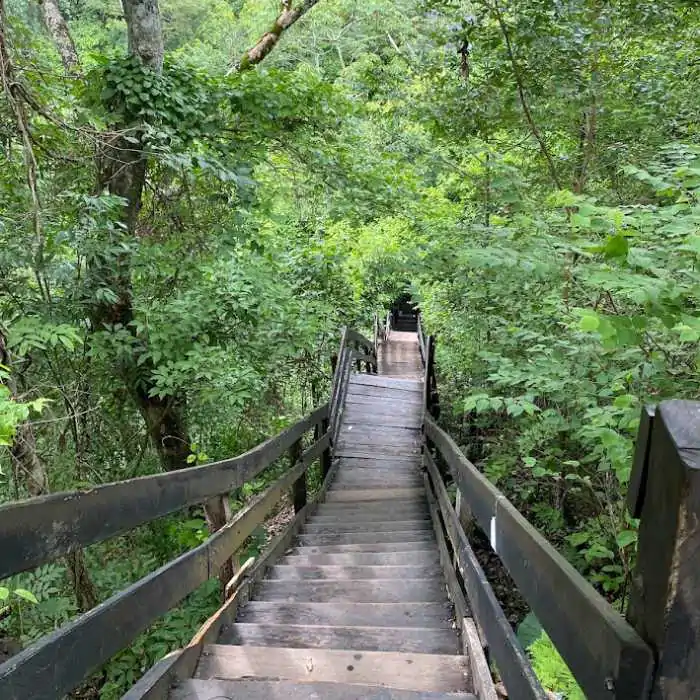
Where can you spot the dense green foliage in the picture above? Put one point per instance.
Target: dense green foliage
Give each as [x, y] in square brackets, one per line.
[531, 169]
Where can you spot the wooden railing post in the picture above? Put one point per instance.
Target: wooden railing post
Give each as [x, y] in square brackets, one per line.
[217, 512]
[299, 487]
[326, 454]
[665, 597]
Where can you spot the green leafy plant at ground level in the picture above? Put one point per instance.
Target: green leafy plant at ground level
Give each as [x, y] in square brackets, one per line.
[551, 669]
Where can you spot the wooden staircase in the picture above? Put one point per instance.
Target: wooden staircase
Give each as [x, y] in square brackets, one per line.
[373, 589]
[357, 608]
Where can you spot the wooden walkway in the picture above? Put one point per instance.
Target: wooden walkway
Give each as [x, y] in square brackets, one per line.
[357, 608]
[400, 356]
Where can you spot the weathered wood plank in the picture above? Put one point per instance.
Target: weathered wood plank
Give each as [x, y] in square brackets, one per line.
[387, 382]
[371, 638]
[355, 483]
[455, 593]
[377, 453]
[316, 539]
[513, 664]
[408, 398]
[482, 679]
[41, 529]
[346, 528]
[196, 689]
[427, 615]
[417, 557]
[425, 545]
[665, 599]
[289, 572]
[373, 495]
[410, 671]
[376, 591]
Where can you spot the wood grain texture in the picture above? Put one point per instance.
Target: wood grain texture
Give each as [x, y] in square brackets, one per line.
[387, 547]
[376, 591]
[196, 689]
[368, 638]
[339, 526]
[665, 600]
[355, 573]
[350, 496]
[434, 615]
[410, 671]
[424, 557]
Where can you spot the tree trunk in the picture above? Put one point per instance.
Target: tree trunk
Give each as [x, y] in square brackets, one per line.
[58, 29]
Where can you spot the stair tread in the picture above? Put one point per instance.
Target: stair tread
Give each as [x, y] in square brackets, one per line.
[422, 545]
[433, 672]
[391, 537]
[283, 571]
[428, 556]
[415, 640]
[345, 528]
[214, 689]
[372, 591]
[435, 615]
[334, 496]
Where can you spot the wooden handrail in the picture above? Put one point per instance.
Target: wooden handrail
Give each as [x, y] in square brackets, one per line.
[362, 352]
[39, 530]
[605, 654]
[513, 664]
[82, 645]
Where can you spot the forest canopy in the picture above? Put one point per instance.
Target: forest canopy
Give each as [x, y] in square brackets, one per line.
[196, 196]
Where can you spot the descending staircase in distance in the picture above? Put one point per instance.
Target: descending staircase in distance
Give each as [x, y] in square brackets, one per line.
[357, 608]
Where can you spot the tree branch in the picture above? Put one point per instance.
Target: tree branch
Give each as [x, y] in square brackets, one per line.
[523, 99]
[289, 15]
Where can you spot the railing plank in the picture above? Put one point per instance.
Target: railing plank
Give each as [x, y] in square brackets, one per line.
[41, 529]
[605, 654]
[513, 664]
[87, 642]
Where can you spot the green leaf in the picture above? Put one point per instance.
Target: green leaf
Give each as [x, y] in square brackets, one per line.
[616, 247]
[626, 538]
[25, 595]
[4, 593]
[589, 323]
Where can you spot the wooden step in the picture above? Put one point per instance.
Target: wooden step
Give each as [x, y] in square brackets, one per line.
[425, 545]
[437, 615]
[361, 518]
[354, 573]
[340, 525]
[386, 395]
[431, 672]
[387, 382]
[415, 640]
[425, 557]
[376, 453]
[375, 483]
[198, 689]
[345, 496]
[378, 447]
[316, 539]
[376, 591]
[377, 506]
